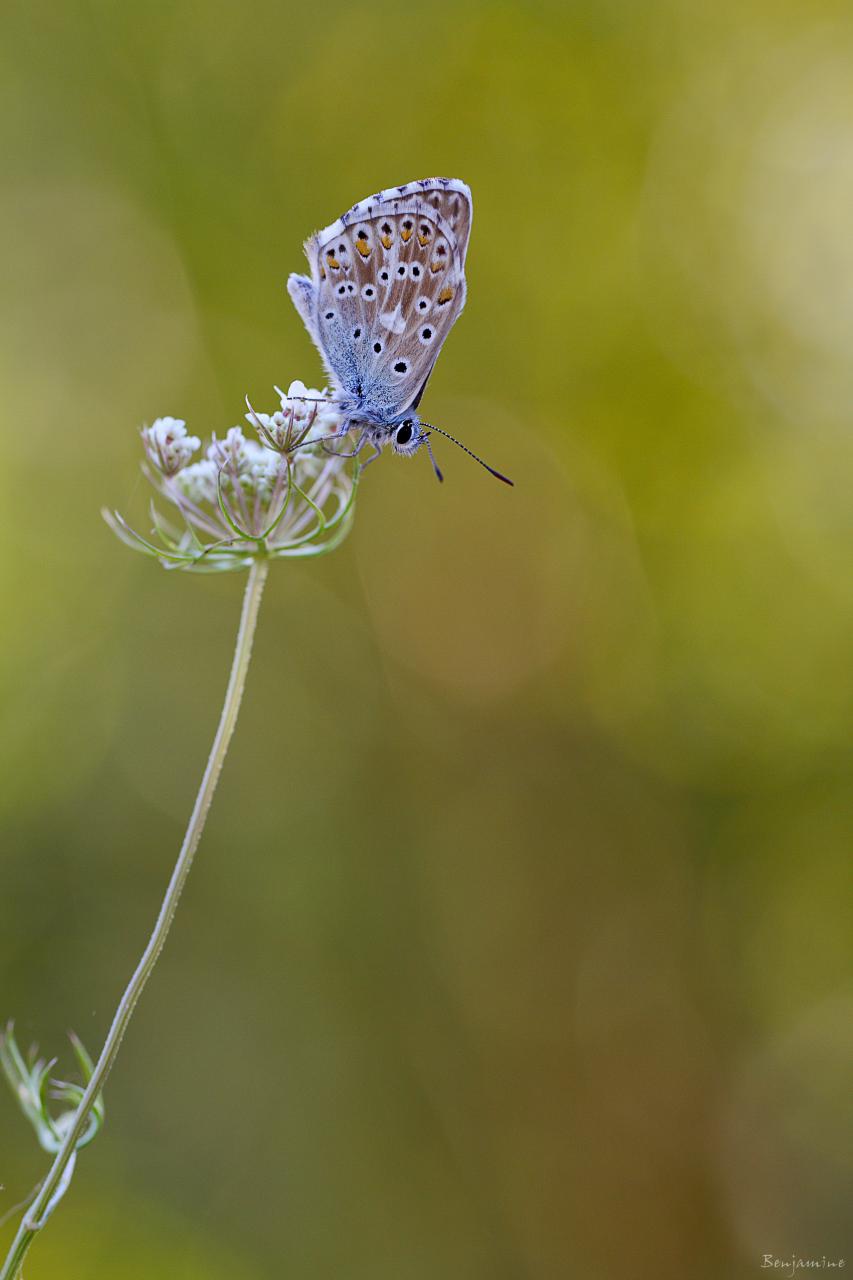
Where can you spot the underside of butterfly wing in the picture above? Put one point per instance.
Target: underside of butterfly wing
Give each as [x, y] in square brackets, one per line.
[387, 284]
[449, 197]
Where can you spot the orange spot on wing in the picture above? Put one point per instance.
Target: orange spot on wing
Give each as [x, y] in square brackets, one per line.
[445, 295]
[363, 247]
[436, 265]
[405, 234]
[387, 241]
[332, 261]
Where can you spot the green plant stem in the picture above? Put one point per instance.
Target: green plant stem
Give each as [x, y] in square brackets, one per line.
[34, 1220]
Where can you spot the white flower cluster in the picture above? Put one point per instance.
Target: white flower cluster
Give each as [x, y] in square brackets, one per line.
[198, 481]
[245, 463]
[305, 414]
[168, 446]
[249, 497]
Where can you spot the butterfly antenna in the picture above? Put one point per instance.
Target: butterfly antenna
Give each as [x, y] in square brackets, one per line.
[436, 468]
[465, 449]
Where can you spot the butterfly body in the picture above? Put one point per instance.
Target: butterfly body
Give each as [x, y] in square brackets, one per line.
[387, 283]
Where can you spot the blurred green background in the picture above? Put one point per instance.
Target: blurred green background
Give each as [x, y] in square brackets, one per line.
[520, 941]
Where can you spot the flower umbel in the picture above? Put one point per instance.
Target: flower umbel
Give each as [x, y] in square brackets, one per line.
[167, 444]
[283, 494]
[304, 415]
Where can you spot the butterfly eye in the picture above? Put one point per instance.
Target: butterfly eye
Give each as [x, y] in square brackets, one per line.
[407, 438]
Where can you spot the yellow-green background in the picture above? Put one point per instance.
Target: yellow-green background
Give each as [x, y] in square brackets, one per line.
[520, 941]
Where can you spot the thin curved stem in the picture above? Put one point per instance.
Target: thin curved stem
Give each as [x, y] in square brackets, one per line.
[53, 1185]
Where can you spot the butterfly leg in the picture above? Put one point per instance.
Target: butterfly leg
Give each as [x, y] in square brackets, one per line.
[339, 435]
[376, 453]
[352, 453]
[324, 445]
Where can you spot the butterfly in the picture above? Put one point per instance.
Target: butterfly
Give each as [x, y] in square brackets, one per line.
[387, 284]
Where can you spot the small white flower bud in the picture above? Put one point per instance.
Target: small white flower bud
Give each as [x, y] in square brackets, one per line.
[263, 468]
[198, 481]
[310, 408]
[168, 446]
[275, 428]
[230, 451]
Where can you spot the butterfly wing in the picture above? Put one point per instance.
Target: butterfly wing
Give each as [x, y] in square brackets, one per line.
[451, 199]
[304, 297]
[387, 284]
